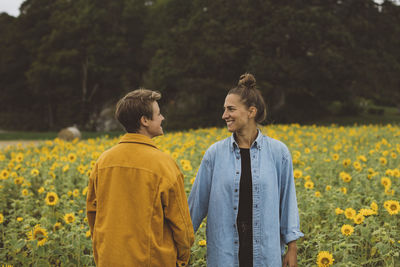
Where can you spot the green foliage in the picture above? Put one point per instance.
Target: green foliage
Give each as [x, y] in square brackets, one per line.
[62, 61]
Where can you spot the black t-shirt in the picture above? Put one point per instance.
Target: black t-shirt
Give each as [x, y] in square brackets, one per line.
[245, 213]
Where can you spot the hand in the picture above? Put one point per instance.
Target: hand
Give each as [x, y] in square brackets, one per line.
[290, 259]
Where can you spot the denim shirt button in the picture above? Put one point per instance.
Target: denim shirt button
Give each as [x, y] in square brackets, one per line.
[237, 172]
[235, 242]
[236, 190]
[234, 208]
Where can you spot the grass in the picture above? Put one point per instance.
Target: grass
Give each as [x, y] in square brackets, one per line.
[391, 116]
[16, 135]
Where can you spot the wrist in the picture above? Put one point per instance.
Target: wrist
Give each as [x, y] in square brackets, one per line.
[292, 245]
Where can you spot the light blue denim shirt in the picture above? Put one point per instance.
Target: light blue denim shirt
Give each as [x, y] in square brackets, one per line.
[215, 194]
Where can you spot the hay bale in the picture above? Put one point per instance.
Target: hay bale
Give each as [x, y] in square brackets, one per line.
[69, 133]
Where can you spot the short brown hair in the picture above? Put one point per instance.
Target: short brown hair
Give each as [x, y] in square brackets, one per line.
[133, 106]
[250, 95]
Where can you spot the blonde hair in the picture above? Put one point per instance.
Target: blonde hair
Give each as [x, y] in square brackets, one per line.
[250, 95]
[133, 106]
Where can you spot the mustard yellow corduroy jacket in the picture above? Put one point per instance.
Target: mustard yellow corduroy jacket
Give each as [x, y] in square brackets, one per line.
[137, 207]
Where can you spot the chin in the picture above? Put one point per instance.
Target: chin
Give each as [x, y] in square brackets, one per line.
[230, 129]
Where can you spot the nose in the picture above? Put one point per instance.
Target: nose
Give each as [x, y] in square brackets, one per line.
[162, 117]
[224, 115]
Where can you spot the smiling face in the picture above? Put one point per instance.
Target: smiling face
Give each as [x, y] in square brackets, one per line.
[153, 126]
[236, 115]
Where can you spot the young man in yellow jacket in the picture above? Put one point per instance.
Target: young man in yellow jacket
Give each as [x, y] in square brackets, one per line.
[136, 203]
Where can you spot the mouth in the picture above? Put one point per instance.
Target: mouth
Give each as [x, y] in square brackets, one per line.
[229, 122]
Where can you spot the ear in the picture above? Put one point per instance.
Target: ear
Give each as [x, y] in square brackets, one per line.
[252, 112]
[144, 121]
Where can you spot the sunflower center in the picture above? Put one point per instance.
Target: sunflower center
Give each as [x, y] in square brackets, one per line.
[325, 261]
[39, 235]
[393, 207]
[51, 198]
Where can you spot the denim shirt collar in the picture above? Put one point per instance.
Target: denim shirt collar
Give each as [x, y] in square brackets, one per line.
[257, 143]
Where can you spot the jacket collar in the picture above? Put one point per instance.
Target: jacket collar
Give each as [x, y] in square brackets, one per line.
[137, 138]
[257, 143]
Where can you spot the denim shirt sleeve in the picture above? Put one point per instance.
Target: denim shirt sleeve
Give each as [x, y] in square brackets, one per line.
[289, 215]
[200, 194]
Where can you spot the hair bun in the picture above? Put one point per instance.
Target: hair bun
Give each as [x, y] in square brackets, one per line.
[247, 80]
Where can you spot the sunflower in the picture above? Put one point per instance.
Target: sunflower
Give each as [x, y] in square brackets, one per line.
[72, 157]
[367, 212]
[20, 219]
[362, 158]
[317, 193]
[358, 219]
[349, 213]
[339, 211]
[389, 172]
[51, 198]
[57, 226]
[347, 230]
[1, 218]
[84, 191]
[343, 190]
[88, 234]
[19, 157]
[25, 192]
[41, 190]
[38, 233]
[345, 177]
[346, 162]
[335, 157]
[297, 174]
[19, 180]
[202, 243]
[309, 185]
[383, 161]
[4, 174]
[386, 182]
[392, 206]
[75, 193]
[69, 218]
[187, 167]
[328, 188]
[374, 206]
[324, 259]
[65, 168]
[34, 172]
[356, 165]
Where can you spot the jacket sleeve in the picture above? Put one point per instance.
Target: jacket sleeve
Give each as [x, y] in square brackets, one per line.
[91, 200]
[289, 214]
[177, 214]
[200, 193]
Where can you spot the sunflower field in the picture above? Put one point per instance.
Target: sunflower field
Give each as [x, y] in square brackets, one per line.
[347, 184]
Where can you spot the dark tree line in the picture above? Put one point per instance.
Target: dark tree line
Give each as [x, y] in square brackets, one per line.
[63, 61]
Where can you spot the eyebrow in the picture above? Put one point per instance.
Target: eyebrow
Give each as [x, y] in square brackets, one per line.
[230, 106]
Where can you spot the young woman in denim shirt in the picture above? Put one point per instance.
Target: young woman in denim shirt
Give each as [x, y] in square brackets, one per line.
[246, 189]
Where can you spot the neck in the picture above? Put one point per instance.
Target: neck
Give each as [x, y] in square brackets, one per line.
[246, 137]
[143, 131]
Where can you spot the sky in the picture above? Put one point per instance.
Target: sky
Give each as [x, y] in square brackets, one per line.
[10, 6]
